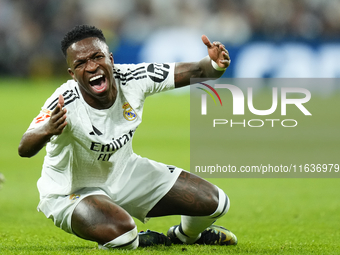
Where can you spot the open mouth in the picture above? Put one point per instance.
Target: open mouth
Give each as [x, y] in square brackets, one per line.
[98, 83]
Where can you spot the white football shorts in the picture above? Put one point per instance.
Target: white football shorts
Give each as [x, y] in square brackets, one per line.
[146, 182]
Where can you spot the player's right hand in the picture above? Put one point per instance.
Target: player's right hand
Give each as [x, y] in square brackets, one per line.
[57, 121]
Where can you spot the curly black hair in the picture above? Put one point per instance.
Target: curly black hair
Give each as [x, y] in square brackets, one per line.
[79, 33]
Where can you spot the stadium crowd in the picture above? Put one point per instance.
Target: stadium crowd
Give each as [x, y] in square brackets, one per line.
[30, 31]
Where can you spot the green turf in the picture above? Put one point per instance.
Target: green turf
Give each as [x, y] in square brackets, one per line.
[269, 216]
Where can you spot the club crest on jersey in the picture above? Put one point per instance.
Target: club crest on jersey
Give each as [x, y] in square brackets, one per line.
[128, 113]
[74, 197]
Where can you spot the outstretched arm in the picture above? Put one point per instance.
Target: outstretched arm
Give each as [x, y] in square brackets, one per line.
[34, 140]
[204, 68]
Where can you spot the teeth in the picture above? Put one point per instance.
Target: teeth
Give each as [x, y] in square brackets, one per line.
[96, 77]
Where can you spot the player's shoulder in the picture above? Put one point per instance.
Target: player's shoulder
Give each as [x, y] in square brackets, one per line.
[123, 70]
[139, 68]
[127, 73]
[69, 90]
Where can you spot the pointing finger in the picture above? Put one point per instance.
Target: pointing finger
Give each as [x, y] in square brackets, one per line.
[59, 105]
[206, 41]
[61, 100]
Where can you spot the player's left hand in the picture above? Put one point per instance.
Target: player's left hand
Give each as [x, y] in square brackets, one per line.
[217, 52]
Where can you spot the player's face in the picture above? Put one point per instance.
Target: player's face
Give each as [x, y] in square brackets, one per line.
[91, 65]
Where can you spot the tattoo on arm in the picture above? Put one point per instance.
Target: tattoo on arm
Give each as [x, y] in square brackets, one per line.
[186, 71]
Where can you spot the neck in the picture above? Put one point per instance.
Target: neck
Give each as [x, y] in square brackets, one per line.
[100, 102]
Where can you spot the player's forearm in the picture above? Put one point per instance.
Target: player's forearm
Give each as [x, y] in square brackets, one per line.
[203, 69]
[33, 141]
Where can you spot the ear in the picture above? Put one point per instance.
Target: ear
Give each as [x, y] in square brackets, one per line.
[72, 74]
[111, 58]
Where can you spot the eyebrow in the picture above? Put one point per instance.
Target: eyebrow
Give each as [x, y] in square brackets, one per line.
[83, 59]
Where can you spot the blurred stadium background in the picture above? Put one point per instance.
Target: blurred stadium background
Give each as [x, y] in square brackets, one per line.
[265, 38]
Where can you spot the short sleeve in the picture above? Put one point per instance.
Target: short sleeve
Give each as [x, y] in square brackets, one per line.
[67, 90]
[45, 112]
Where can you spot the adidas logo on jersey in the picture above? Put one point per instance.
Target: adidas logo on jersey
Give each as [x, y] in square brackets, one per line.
[171, 168]
[95, 131]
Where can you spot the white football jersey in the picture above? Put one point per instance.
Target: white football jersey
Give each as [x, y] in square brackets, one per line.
[95, 145]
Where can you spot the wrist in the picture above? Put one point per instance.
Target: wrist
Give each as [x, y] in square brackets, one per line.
[217, 67]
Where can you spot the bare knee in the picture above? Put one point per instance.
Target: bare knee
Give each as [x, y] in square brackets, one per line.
[98, 219]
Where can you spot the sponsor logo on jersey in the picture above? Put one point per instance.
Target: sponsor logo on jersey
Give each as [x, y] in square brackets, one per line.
[44, 114]
[128, 113]
[107, 150]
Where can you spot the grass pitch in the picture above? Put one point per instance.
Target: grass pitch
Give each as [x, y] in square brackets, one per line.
[269, 216]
